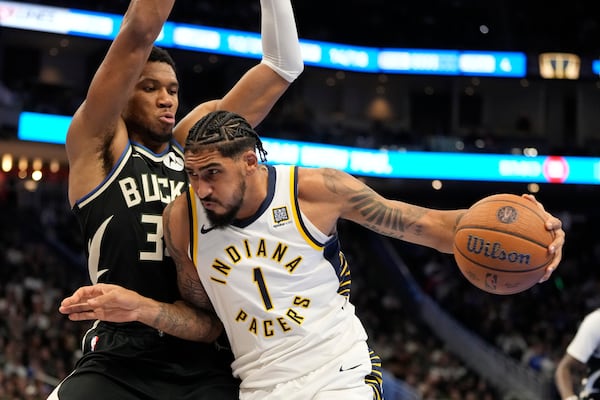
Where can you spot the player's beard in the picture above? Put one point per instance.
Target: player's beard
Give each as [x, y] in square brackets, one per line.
[225, 219]
[148, 133]
[160, 137]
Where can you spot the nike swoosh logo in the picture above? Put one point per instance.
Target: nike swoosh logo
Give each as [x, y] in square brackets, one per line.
[204, 230]
[342, 369]
[94, 252]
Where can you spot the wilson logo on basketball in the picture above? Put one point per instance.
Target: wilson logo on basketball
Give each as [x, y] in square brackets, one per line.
[477, 245]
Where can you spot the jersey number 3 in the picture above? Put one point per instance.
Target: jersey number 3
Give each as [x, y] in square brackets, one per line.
[154, 237]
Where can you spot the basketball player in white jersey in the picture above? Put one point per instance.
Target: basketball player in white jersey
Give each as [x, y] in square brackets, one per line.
[263, 241]
[582, 359]
[260, 243]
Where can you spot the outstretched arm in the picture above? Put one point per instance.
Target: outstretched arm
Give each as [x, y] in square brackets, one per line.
[254, 95]
[326, 195]
[114, 303]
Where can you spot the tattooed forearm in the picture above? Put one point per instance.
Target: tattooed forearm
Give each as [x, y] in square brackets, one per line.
[193, 318]
[190, 287]
[376, 213]
[187, 322]
[378, 216]
[384, 219]
[167, 320]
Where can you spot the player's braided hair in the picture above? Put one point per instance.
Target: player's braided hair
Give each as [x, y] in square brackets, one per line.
[227, 132]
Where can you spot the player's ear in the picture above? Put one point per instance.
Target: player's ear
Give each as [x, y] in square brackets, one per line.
[250, 161]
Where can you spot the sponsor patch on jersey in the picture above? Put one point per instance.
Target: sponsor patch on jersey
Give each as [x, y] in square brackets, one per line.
[173, 161]
[280, 215]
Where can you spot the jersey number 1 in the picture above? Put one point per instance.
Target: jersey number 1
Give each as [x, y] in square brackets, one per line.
[262, 288]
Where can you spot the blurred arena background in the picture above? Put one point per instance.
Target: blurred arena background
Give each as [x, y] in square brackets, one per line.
[439, 337]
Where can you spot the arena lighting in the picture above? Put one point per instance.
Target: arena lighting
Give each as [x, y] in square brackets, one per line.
[452, 62]
[54, 166]
[384, 163]
[23, 164]
[47, 128]
[36, 175]
[7, 162]
[248, 44]
[596, 67]
[559, 66]
[36, 164]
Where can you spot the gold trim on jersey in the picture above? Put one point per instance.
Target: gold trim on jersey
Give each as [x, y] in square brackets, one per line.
[194, 227]
[296, 212]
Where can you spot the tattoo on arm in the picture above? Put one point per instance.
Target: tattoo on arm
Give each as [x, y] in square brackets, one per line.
[165, 318]
[377, 214]
[189, 284]
[199, 314]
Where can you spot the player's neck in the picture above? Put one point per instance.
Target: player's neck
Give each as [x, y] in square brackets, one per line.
[257, 186]
[156, 146]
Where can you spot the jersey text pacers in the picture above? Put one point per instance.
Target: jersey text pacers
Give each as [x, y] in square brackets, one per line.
[282, 323]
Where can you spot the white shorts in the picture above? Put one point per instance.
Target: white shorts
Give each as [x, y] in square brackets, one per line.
[343, 378]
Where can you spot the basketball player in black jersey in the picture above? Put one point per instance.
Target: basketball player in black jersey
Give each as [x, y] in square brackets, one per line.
[126, 165]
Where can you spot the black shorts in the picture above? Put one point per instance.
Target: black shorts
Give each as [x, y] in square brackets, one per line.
[136, 362]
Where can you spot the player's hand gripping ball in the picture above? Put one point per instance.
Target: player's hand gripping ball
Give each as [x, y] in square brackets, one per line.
[501, 244]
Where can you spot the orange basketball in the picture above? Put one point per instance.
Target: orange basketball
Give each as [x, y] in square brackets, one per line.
[501, 244]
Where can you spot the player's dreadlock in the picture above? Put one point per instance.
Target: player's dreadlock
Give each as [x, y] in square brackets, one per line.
[226, 132]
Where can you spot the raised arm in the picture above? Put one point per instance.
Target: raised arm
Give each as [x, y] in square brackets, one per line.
[97, 131]
[258, 90]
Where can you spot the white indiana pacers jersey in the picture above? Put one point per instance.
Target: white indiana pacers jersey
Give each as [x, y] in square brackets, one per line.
[279, 286]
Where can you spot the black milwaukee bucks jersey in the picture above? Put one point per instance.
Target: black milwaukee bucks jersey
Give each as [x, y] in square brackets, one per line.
[121, 220]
